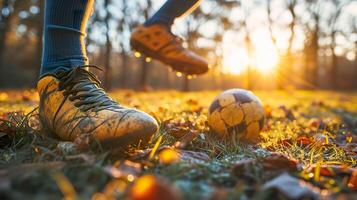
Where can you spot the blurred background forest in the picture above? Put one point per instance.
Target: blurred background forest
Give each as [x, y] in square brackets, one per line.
[254, 44]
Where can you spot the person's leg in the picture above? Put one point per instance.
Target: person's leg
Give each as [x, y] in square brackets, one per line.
[72, 104]
[154, 38]
[172, 10]
[64, 34]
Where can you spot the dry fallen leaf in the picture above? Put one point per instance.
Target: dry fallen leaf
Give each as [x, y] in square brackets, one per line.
[315, 123]
[193, 156]
[323, 139]
[352, 183]
[292, 187]
[304, 141]
[144, 154]
[186, 139]
[149, 187]
[287, 112]
[179, 129]
[278, 162]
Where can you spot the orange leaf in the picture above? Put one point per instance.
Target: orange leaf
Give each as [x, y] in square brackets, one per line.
[352, 183]
[304, 141]
[149, 187]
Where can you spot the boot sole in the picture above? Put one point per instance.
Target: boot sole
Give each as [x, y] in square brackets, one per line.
[130, 139]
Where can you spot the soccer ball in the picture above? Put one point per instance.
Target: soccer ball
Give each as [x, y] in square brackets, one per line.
[236, 114]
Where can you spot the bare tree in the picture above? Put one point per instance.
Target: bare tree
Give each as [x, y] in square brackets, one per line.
[108, 47]
[243, 25]
[285, 65]
[8, 11]
[250, 49]
[125, 24]
[291, 5]
[354, 30]
[33, 20]
[332, 24]
[271, 24]
[145, 8]
[39, 31]
[352, 22]
[311, 48]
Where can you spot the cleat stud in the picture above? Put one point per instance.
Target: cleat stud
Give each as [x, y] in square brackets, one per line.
[189, 77]
[179, 74]
[148, 59]
[137, 54]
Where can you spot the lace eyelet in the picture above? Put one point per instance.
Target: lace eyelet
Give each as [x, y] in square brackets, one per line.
[81, 79]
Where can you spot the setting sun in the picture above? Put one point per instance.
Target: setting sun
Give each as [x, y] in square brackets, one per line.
[264, 57]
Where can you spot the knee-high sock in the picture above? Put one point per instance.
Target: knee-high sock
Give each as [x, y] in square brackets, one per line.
[172, 10]
[64, 33]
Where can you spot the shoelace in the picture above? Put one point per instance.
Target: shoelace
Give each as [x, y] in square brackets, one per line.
[82, 85]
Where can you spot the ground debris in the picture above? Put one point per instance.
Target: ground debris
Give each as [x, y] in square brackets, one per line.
[314, 140]
[292, 187]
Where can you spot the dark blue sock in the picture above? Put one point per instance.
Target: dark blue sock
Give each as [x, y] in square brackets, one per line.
[64, 34]
[171, 10]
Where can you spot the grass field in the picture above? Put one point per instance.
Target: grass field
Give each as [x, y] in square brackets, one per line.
[308, 151]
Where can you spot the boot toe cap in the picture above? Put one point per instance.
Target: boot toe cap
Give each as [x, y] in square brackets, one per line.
[133, 127]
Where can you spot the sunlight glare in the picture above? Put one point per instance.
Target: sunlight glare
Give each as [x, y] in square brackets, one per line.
[264, 58]
[235, 61]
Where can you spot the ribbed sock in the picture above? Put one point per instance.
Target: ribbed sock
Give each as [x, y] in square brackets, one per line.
[64, 34]
[172, 10]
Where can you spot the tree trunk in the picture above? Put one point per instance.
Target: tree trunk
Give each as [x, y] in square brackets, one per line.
[144, 72]
[107, 71]
[41, 5]
[334, 62]
[144, 64]
[4, 28]
[249, 78]
[123, 77]
[314, 55]
[108, 48]
[306, 72]
[249, 46]
[186, 84]
[124, 21]
[289, 68]
[334, 71]
[167, 77]
[355, 85]
[289, 54]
